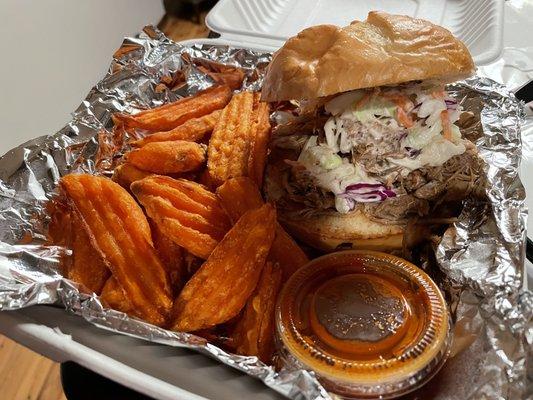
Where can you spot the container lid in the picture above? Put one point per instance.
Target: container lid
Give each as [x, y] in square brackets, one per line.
[479, 24]
[369, 324]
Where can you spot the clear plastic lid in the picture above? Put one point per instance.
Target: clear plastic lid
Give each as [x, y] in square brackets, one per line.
[369, 324]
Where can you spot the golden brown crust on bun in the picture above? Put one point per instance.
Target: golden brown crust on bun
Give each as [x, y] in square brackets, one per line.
[383, 50]
[332, 231]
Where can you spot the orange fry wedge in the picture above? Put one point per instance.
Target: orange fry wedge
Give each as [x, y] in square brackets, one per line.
[219, 290]
[86, 267]
[192, 131]
[59, 230]
[60, 225]
[126, 174]
[169, 116]
[113, 296]
[171, 255]
[259, 145]
[185, 212]
[221, 73]
[238, 195]
[119, 231]
[239, 139]
[254, 333]
[446, 125]
[232, 77]
[168, 157]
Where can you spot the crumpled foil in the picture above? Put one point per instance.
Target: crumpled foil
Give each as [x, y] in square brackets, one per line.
[479, 263]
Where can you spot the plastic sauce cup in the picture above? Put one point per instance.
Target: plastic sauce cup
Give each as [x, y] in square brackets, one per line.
[369, 324]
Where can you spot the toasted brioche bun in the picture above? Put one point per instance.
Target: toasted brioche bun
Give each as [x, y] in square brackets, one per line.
[331, 230]
[383, 50]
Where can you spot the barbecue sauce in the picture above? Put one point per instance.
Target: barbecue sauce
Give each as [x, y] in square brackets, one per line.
[362, 319]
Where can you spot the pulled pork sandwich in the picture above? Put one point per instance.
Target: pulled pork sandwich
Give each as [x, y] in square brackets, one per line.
[367, 138]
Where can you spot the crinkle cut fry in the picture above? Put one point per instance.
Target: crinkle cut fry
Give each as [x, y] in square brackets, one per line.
[119, 230]
[171, 115]
[238, 195]
[59, 231]
[259, 146]
[188, 200]
[184, 194]
[199, 244]
[192, 130]
[162, 210]
[168, 157]
[233, 138]
[231, 77]
[219, 290]
[86, 267]
[126, 174]
[171, 255]
[254, 332]
[113, 296]
[185, 211]
[66, 229]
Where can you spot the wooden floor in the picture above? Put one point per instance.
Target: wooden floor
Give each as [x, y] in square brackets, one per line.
[25, 375]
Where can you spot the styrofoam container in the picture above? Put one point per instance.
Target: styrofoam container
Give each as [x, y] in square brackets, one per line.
[170, 373]
[478, 23]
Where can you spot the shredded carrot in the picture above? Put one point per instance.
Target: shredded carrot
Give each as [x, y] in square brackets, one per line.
[402, 103]
[403, 117]
[438, 94]
[398, 99]
[363, 100]
[446, 126]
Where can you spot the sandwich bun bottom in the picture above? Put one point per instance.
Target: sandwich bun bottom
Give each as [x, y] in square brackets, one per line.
[330, 231]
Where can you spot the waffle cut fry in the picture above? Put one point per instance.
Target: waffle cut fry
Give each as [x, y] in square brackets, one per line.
[169, 116]
[239, 141]
[171, 255]
[184, 211]
[126, 174]
[113, 296]
[86, 267]
[193, 130]
[238, 195]
[59, 230]
[259, 145]
[81, 266]
[254, 333]
[168, 157]
[119, 231]
[233, 77]
[219, 290]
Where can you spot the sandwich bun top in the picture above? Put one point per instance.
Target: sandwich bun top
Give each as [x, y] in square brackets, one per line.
[383, 50]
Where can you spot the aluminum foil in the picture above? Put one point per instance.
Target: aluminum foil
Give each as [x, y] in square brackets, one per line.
[479, 263]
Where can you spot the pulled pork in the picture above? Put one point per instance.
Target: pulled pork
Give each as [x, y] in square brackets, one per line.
[426, 188]
[301, 188]
[420, 193]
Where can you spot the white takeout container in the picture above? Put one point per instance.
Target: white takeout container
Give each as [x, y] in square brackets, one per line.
[165, 372]
[269, 23]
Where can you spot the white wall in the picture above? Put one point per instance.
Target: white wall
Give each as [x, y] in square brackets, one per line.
[52, 52]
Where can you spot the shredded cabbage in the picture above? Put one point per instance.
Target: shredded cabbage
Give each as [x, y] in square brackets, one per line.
[331, 171]
[344, 101]
[434, 154]
[420, 136]
[377, 123]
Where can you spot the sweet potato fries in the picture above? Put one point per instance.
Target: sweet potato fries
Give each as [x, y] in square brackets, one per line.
[157, 244]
